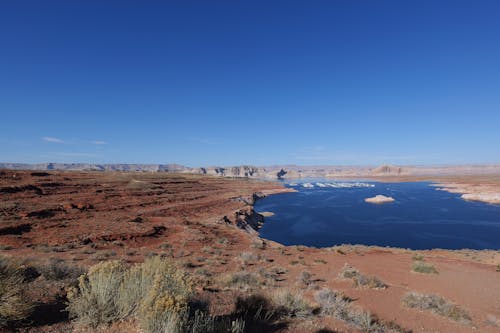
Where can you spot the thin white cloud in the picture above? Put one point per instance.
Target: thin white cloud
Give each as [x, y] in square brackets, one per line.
[52, 139]
[98, 142]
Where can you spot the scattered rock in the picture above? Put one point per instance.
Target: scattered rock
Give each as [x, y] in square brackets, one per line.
[16, 189]
[82, 207]
[138, 219]
[267, 214]
[40, 174]
[42, 214]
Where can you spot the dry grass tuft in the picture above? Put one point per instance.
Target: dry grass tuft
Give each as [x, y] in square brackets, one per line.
[418, 257]
[248, 257]
[335, 304]
[305, 278]
[437, 305]
[14, 306]
[291, 303]
[348, 272]
[57, 269]
[372, 282]
[242, 280]
[361, 280]
[423, 267]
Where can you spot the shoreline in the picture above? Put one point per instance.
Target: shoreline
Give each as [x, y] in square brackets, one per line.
[453, 188]
[481, 188]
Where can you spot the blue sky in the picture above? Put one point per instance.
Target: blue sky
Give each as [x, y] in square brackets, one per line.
[250, 82]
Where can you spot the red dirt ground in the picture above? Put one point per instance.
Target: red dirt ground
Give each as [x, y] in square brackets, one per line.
[203, 222]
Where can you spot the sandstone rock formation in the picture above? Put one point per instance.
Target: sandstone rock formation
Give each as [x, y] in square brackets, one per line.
[379, 199]
[276, 171]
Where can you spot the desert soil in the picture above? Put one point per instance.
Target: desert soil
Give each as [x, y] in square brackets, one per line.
[203, 222]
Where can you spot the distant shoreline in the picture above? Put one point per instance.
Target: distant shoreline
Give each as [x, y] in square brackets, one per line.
[473, 182]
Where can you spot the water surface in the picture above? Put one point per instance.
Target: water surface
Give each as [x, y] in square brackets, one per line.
[421, 217]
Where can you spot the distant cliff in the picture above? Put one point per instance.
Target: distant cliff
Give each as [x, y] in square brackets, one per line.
[269, 172]
[96, 167]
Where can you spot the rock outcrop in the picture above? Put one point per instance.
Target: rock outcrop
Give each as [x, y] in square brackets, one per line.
[387, 170]
[379, 199]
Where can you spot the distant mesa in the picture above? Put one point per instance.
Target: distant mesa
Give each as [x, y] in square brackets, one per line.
[281, 172]
[387, 170]
[379, 199]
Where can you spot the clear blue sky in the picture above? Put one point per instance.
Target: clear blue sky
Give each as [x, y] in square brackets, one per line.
[250, 82]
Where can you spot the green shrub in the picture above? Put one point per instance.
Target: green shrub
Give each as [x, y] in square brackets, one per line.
[14, 306]
[437, 305]
[422, 267]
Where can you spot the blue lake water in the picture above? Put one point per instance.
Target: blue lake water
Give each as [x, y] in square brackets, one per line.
[420, 218]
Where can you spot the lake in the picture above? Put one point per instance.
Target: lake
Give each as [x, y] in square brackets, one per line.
[324, 213]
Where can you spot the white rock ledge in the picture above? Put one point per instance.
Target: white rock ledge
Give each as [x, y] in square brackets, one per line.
[379, 199]
[493, 198]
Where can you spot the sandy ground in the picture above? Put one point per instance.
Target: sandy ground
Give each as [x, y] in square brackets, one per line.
[202, 222]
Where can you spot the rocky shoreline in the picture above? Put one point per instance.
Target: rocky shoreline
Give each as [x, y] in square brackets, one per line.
[488, 193]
